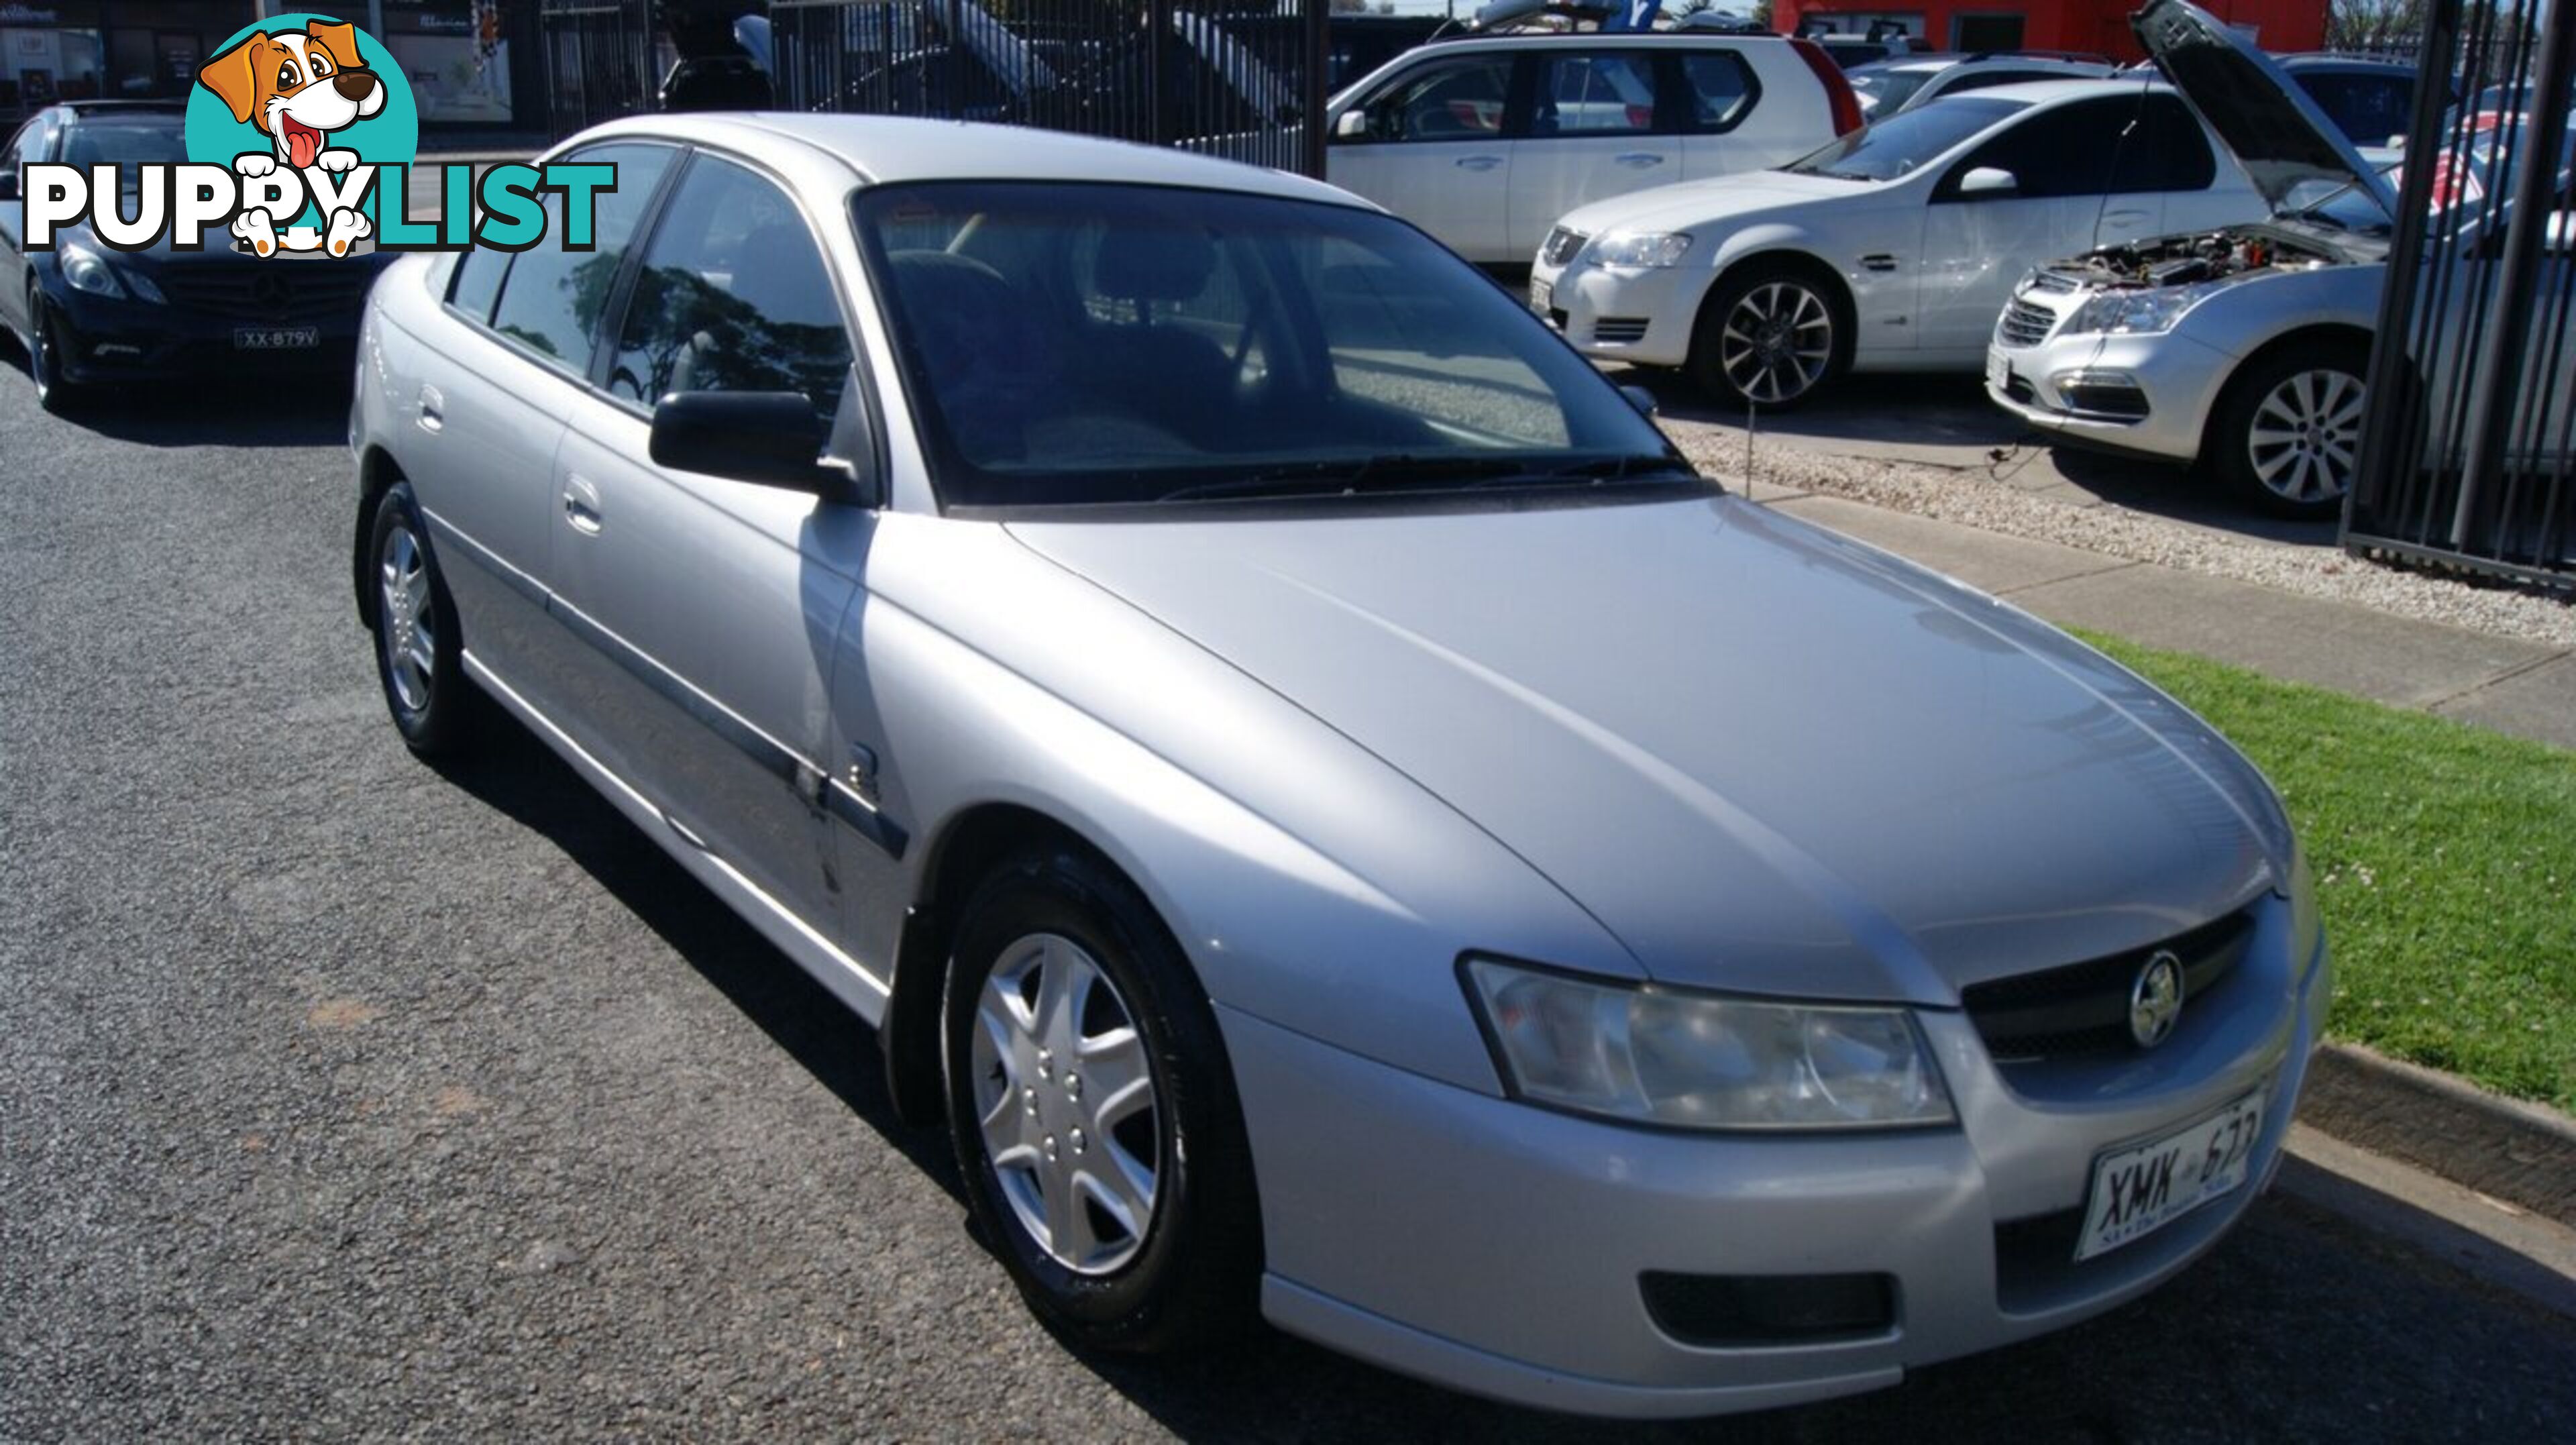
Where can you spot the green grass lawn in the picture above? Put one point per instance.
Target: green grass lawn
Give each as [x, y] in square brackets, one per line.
[2446, 866]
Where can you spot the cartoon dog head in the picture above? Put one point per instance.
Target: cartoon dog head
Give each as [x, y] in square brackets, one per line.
[297, 86]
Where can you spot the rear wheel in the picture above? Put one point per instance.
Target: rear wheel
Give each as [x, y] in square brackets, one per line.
[1093, 1112]
[418, 655]
[2288, 434]
[1768, 337]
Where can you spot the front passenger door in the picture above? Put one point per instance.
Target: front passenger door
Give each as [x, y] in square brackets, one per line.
[707, 609]
[2077, 171]
[1432, 149]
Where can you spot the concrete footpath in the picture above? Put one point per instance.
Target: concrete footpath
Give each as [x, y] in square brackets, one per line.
[2487, 1182]
[2527, 689]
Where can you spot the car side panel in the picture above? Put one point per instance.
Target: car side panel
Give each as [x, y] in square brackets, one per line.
[474, 426]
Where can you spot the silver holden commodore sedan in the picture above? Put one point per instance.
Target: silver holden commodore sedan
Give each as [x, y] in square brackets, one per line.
[1338, 821]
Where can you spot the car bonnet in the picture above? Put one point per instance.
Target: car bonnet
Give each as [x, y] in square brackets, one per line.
[2280, 136]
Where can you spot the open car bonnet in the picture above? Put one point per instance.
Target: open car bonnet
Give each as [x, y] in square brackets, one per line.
[2275, 132]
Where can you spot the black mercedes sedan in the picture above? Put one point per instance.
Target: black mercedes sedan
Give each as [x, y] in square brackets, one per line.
[90, 316]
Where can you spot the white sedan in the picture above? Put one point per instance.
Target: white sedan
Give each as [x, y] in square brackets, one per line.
[1892, 249]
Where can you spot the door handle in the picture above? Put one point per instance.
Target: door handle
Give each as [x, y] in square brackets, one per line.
[1638, 160]
[1479, 163]
[432, 408]
[581, 506]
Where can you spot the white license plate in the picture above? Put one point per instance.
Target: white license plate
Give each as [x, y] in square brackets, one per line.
[1542, 295]
[1998, 370]
[2144, 1187]
[276, 338]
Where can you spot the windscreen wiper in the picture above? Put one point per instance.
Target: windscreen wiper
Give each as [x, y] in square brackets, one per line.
[1404, 471]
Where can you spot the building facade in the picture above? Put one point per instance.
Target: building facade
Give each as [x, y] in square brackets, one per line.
[472, 64]
[2098, 27]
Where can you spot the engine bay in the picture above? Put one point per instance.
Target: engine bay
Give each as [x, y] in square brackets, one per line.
[2190, 260]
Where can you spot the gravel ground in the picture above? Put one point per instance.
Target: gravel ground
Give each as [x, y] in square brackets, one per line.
[1979, 498]
[345, 1097]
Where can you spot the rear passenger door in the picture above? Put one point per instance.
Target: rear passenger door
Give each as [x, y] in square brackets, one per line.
[1431, 147]
[1599, 125]
[486, 410]
[703, 611]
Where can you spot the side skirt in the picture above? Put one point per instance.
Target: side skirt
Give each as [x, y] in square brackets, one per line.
[849, 980]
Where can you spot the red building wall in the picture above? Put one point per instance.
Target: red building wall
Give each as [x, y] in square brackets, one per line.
[2100, 26]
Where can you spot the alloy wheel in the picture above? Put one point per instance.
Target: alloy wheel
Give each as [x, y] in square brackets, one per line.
[405, 620]
[1066, 1104]
[1776, 342]
[2306, 436]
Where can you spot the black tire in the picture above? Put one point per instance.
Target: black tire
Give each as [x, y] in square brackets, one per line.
[2297, 467]
[1193, 1274]
[1779, 368]
[48, 338]
[432, 706]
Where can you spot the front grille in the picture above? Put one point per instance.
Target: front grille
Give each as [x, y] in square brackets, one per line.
[2051, 281]
[1733, 1311]
[2083, 1008]
[1619, 330]
[2024, 324]
[269, 291]
[1561, 246]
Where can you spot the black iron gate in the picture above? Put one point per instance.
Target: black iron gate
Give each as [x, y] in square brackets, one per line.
[1227, 81]
[599, 60]
[2469, 449]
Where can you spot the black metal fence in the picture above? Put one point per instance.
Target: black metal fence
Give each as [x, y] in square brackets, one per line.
[598, 59]
[1228, 81]
[2469, 448]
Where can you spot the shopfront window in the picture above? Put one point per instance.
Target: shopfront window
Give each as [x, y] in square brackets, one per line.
[456, 54]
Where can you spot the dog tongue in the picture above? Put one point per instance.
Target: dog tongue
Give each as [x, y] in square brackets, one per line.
[303, 143]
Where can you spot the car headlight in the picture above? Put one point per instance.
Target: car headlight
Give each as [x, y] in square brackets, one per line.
[2143, 310]
[1653, 1055]
[84, 271]
[1641, 248]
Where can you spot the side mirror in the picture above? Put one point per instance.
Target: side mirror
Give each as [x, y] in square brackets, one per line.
[1640, 398]
[1989, 181]
[769, 437]
[1352, 124]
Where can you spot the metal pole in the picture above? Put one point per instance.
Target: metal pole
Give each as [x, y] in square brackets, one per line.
[2385, 427]
[2500, 356]
[1312, 85]
[1158, 33]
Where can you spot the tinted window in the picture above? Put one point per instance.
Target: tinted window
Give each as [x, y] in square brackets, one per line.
[2147, 144]
[552, 299]
[1884, 89]
[2368, 109]
[1720, 86]
[1611, 94]
[1068, 344]
[733, 295]
[1454, 100]
[33, 140]
[477, 281]
[121, 142]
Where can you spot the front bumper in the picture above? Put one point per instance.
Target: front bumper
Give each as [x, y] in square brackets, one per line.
[1498, 1248]
[1629, 313]
[2179, 381]
[115, 339]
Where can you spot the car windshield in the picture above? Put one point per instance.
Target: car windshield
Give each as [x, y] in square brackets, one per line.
[1887, 149]
[1074, 344]
[1883, 88]
[125, 144]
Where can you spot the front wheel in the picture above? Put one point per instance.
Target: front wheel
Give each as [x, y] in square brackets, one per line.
[49, 342]
[1093, 1112]
[2288, 434]
[1768, 337]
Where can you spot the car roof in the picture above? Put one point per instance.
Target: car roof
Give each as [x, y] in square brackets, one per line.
[80, 108]
[2349, 64]
[1553, 39]
[2035, 92]
[883, 149]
